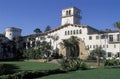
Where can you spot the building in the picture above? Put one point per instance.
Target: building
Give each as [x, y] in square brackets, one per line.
[90, 38]
[12, 32]
[8, 46]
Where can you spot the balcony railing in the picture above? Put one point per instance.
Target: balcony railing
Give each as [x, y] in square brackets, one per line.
[114, 41]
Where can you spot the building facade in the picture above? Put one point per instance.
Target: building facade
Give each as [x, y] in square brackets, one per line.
[90, 38]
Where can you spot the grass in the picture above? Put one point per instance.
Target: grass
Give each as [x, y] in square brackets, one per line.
[32, 65]
[100, 73]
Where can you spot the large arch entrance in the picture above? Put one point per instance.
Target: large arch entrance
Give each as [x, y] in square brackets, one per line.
[73, 51]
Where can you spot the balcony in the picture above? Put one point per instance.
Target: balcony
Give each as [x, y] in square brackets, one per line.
[114, 41]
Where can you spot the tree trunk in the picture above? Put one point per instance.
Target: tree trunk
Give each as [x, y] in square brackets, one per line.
[98, 60]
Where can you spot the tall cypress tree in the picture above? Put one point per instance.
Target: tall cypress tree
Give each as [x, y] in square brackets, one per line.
[47, 28]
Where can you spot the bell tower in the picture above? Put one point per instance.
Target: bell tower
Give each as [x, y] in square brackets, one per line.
[70, 16]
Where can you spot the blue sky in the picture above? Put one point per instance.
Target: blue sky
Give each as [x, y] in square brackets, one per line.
[31, 14]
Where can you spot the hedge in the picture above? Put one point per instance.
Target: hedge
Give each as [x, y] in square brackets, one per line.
[31, 74]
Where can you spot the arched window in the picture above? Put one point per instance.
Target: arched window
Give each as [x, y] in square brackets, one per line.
[74, 32]
[71, 32]
[80, 31]
[68, 32]
[69, 12]
[65, 32]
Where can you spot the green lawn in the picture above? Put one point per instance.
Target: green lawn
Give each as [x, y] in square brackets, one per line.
[32, 65]
[101, 73]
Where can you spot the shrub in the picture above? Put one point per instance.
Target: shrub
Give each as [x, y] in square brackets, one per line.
[83, 66]
[7, 69]
[111, 62]
[31, 74]
[70, 64]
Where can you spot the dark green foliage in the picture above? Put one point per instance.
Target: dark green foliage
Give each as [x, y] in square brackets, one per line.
[117, 25]
[73, 64]
[31, 74]
[72, 46]
[38, 53]
[12, 49]
[37, 30]
[111, 62]
[83, 66]
[47, 28]
[32, 53]
[70, 64]
[97, 52]
[7, 69]
[57, 56]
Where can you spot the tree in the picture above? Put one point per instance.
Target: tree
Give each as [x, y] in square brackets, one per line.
[117, 25]
[71, 45]
[37, 30]
[97, 52]
[47, 28]
[40, 52]
[19, 46]
[46, 48]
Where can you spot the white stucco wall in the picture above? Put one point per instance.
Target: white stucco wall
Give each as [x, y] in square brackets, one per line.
[12, 32]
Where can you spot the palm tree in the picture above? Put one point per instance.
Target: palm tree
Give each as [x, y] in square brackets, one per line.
[71, 46]
[74, 45]
[65, 44]
[98, 52]
[117, 25]
[46, 48]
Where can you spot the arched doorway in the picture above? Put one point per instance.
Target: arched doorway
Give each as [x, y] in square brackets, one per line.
[73, 51]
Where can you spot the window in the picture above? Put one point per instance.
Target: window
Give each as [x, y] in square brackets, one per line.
[118, 54]
[90, 37]
[109, 54]
[66, 12]
[102, 36]
[65, 32]
[90, 46]
[80, 31]
[68, 32]
[69, 12]
[74, 32]
[114, 46]
[118, 37]
[110, 37]
[97, 37]
[71, 32]
[93, 46]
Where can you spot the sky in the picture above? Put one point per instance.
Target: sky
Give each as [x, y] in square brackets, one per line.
[31, 14]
